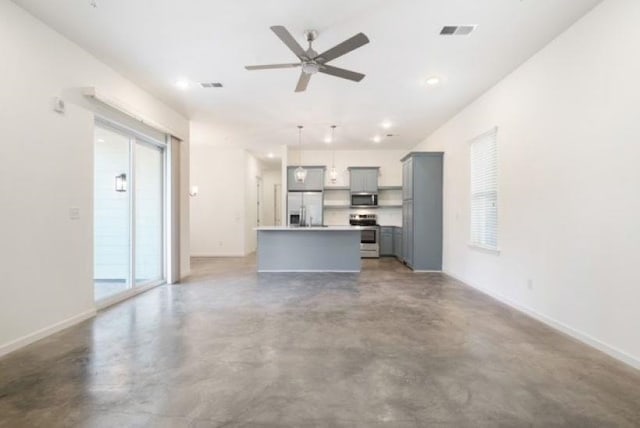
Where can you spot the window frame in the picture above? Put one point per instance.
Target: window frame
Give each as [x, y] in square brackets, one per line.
[484, 246]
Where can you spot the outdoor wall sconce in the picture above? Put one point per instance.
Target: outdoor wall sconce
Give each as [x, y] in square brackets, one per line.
[121, 183]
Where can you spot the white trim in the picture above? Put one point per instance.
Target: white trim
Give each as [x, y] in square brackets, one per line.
[92, 92]
[112, 300]
[557, 325]
[44, 332]
[493, 130]
[484, 249]
[307, 271]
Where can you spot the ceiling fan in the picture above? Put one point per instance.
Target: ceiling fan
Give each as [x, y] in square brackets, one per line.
[312, 62]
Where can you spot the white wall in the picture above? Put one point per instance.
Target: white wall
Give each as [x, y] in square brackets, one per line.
[270, 178]
[253, 170]
[224, 213]
[218, 212]
[390, 175]
[46, 168]
[569, 156]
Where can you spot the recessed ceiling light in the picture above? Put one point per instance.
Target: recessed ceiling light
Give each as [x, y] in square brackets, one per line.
[376, 139]
[386, 124]
[432, 81]
[100, 140]
[182, 84]
[270, 155]
[327, 140]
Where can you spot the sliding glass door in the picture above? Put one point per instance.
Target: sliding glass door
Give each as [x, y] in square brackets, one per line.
[129, 183]
[111, 211]
[149, 218]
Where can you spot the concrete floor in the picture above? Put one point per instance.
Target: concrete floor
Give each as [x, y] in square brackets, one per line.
[384, 348]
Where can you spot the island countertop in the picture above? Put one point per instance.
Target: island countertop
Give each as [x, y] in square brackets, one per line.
[315, 228]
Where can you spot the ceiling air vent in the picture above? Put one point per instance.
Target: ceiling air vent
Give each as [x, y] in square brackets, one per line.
[211, 85]
[457, 30]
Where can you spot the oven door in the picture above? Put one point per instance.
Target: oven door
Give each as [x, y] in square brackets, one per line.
[364, 200]
[369, 236]
[369, 246]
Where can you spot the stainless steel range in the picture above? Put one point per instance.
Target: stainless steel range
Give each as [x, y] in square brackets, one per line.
[370, 236]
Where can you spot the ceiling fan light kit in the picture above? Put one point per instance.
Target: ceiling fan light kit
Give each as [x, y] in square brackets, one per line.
[310, 61]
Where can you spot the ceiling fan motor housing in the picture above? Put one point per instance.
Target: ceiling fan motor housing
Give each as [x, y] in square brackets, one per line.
[310, 67]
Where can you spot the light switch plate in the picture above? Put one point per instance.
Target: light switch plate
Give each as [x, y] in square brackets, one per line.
[58, 105]
[74, 213]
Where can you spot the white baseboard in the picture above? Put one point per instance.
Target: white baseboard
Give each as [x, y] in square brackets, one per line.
[110, 301]
[47, 331]
[209, 256]
[553, 323]
[308, 271]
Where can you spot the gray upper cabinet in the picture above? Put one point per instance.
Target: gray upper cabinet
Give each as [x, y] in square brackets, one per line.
[363, 179]
[407, 179]
[422, 210]
[313, 183]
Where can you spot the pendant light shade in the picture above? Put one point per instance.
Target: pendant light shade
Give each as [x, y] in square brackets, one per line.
[300, 174]
[333, 175]
[333, 172]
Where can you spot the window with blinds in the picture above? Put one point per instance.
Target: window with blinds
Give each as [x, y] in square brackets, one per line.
[484, 191]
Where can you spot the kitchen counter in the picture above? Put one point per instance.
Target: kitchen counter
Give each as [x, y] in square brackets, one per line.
[317, 228]
[309, 249]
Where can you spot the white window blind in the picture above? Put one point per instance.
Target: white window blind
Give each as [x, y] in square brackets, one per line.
[484, 191]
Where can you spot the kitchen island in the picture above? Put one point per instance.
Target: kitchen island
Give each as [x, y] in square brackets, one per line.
[309, 249]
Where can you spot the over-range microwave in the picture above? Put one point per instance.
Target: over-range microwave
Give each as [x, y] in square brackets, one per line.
[363, 200]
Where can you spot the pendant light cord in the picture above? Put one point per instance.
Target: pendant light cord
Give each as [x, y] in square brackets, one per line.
[300, 146]
[333, 153]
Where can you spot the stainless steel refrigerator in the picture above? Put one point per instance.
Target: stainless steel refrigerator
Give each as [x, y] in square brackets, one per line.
[305, 209]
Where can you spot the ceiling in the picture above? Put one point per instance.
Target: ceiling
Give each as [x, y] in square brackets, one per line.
[157, 42]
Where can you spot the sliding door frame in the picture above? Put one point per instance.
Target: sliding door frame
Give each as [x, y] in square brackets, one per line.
[136, 137]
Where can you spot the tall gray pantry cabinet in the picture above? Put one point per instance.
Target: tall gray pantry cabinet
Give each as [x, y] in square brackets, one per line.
[422, 210]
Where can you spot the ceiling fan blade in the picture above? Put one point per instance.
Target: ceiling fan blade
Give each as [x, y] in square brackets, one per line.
[271, 66]
[341, 72]
[286, 37]
[343, 48]
[303, 81]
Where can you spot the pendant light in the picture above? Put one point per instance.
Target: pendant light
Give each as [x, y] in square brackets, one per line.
[333, 173]
[300, 173]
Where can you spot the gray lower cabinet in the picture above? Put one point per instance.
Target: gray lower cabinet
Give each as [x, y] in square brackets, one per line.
[422, 210]
[397, 242]
[386, 241]
[407, 232]
[313, 183]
